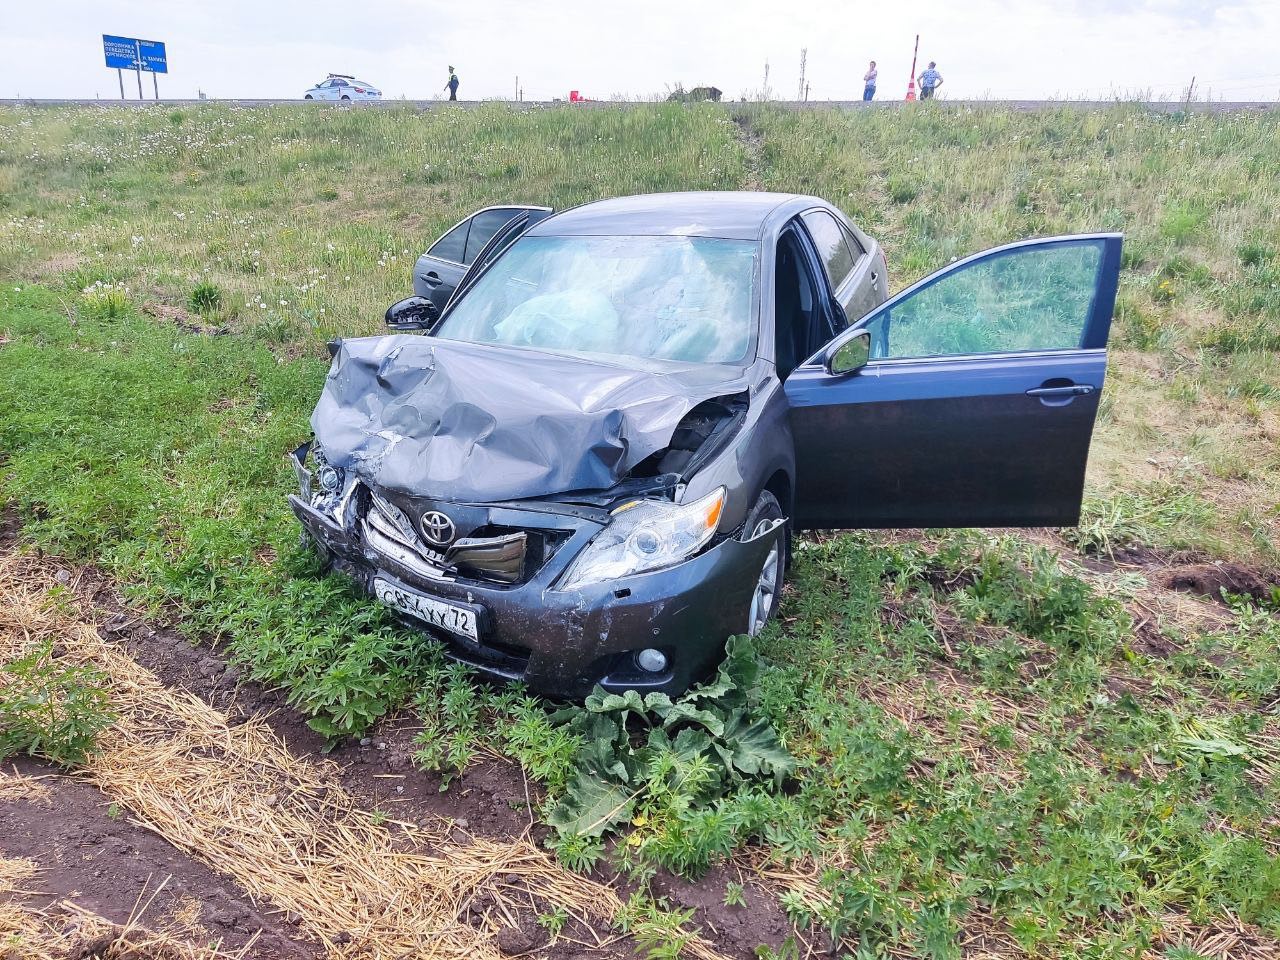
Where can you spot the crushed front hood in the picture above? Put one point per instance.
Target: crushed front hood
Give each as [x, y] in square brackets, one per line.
[475, 422]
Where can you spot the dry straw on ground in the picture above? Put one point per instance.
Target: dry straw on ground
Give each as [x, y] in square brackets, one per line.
[20, 786]
[236, 798]
[68, 931]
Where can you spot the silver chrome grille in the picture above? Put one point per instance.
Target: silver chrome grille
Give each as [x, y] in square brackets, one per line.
[390, 532]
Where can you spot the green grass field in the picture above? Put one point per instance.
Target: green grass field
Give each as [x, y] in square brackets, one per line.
[1011, 738]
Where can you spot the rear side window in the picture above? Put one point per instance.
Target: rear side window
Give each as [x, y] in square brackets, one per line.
[855, 246]
[829, 239]
[483, 227]
[453, 245]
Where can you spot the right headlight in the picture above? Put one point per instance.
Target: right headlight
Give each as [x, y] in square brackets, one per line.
[646, 535]
[328, 477]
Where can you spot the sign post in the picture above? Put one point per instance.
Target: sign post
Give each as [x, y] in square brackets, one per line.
[911, 83]
[128, 53]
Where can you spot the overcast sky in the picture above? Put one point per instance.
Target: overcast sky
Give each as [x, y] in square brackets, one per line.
[996, 48]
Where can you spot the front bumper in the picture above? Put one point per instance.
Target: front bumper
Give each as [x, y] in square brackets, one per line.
[563, 643]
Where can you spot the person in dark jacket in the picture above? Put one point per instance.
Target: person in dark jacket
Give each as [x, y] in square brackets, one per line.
[452, 85]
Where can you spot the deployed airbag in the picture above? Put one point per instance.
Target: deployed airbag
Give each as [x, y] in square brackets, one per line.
[477, 422]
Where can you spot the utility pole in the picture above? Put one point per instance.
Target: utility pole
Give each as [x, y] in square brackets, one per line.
[804, 56]
[517, 88]
[1191, 90]
[764, 90]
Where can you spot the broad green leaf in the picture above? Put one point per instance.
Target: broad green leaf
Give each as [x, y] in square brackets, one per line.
[591, 806]
[686, 712]
[754, 747]
[1215, 747]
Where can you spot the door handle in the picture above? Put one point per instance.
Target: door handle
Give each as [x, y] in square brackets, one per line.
[1071, 390]
[432, 278]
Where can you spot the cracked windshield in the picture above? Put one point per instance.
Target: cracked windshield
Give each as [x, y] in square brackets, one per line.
[661, 298]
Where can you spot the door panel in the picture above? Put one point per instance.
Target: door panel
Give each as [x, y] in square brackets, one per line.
[440, 270]
[903, 446]
[436, 279]
[978, 405]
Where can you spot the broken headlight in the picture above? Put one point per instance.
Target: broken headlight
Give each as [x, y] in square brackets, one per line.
[646, 535]
[328, 477]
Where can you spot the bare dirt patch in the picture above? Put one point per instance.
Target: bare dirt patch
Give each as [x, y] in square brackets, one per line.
[1212, 579]
[181, 318]
[93, 854]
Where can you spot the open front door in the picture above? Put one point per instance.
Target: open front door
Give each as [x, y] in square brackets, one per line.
[977, 405]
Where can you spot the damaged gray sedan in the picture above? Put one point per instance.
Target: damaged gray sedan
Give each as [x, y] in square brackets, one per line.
[588, 470]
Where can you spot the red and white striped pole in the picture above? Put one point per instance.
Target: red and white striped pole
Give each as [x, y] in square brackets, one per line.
[911, 83]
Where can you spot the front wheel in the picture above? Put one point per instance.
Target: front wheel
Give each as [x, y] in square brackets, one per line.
[345, 97]
[308, 97]
[768, 588]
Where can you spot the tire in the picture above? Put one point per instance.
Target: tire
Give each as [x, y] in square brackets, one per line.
[345, 97]
[308, 97]
[768, 590]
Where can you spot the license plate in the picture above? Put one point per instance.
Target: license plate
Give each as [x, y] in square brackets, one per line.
[437, 613]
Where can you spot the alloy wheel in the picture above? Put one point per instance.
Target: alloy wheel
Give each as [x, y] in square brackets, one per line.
[766, 591]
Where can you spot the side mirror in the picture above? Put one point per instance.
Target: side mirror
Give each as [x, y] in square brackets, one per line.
[412, 313]
[849, 355]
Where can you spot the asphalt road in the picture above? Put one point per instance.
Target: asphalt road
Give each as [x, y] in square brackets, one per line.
[1164, 106]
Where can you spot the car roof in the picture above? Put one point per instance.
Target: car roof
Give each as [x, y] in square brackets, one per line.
[732, 215]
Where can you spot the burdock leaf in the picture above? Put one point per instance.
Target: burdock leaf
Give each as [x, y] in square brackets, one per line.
[684, 711]
[591, 806]
[623, 704]
[752, 748]
[602, 758]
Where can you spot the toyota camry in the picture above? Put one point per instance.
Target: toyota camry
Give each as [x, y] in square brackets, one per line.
[584, 464]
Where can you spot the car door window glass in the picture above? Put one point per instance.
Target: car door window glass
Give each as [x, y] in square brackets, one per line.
[829, 239]
[453, 245]
[483, 227]
[1020, 300]
[799, 324]
[855, 247]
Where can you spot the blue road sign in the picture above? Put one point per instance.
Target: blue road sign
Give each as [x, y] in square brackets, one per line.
[126, 53]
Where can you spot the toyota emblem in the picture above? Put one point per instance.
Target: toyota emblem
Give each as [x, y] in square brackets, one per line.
[437, 528]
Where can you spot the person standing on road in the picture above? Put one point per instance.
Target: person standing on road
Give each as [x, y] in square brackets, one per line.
[452, 85]
[869, 91]
[930, 81]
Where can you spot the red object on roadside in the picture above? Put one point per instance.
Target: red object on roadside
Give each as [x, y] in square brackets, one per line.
[573, 96]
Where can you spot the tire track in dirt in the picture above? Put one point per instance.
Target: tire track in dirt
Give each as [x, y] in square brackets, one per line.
[233, 796]
[753, 146]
